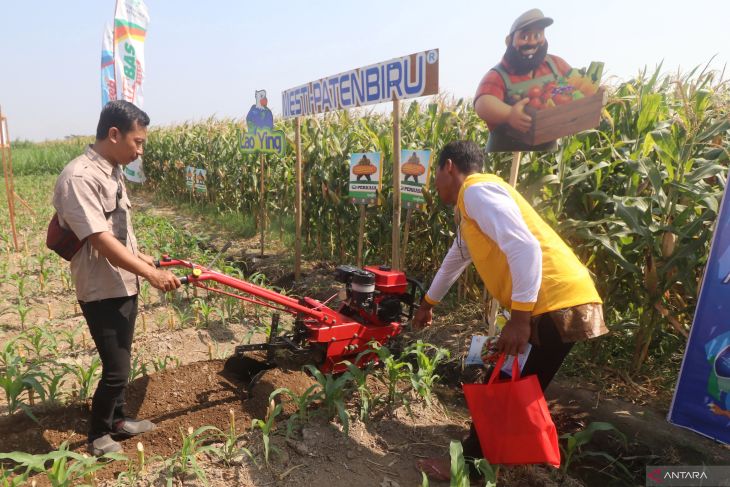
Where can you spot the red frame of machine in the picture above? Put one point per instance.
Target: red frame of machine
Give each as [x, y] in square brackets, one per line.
[342, 337]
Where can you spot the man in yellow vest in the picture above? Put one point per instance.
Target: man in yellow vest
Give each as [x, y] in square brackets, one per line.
[524, 264]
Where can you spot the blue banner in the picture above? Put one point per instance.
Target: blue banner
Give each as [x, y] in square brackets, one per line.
[702, 397]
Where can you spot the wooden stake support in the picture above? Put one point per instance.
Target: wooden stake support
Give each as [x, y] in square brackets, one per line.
[395, 260]
[406, 232]
[7, 160]
[298, 202]
[263, 203]
[361, 234]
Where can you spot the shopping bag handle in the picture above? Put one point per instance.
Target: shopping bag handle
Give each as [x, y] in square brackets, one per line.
[500, 363]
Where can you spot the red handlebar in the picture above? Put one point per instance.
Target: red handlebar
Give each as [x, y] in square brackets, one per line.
[203, 274]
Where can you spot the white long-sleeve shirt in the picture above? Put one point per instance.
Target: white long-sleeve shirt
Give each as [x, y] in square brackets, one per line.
[499, 217]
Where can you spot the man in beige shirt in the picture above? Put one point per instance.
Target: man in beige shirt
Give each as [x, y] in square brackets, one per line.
[91, 200]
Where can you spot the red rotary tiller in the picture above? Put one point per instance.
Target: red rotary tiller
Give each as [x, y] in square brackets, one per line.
[372, 310]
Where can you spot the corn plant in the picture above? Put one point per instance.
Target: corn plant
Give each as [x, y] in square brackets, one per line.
[459, 467]
[137, 369]
[394, 371]
[135, 469]
[43, 270]
[359, 378]
[18, 375]
[573, 449]
[332, 392]
[23, 311]
[160, 364]
[489, 473]
[86, 377]
[53, 382]
[207, 311]
[68, 336]
[66, 279]
[67, 468]
[41, 342]
[20, 284]
[303, 402]
[267, 424]
[8, 478]
[428, 358]
[184, 462]
[184, 315]
[230, 449]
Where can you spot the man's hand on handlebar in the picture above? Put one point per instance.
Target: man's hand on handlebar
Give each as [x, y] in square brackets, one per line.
[162, 280]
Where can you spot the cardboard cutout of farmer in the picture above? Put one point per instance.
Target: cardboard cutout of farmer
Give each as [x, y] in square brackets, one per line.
[259, 116]
[501, 96]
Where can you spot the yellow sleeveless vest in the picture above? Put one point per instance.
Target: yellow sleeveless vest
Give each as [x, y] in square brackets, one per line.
[565, 281]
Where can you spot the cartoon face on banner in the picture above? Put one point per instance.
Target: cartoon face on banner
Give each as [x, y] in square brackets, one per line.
[189, 176]
[261, 136]
[415, 168]
[365, 177]
[200, 178]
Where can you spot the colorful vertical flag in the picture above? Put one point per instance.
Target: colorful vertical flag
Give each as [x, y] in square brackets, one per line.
[108, 85]
[130, 28]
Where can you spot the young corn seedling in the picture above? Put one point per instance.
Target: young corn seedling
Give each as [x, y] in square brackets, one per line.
[17, 376]
[69, 338]
[428, 358]
[332, 393]
[53, 383]
[86, 377]
[573, 449]
[160, 364]
[137, 369]
[489, 473]
[41, 342]
[459, 467]
[231, 450]
[43, 270]
[393, 372]
[185, 461]
[23, 311]
[8, 478]
[67, 467]
[303, 403]
[267, 425]
[360, 379]
[20, 284]
[135, 469]
[66, 279]
[184, 315]
[207, 311]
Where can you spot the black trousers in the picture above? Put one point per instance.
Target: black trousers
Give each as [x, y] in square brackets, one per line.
[544, 361]
[111, 323]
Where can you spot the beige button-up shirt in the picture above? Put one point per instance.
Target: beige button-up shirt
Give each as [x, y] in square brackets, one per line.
[90, 197]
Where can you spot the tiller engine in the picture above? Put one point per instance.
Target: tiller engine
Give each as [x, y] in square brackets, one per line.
[375, 304]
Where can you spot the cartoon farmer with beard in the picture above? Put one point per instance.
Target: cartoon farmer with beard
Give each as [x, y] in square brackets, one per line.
[502, 94]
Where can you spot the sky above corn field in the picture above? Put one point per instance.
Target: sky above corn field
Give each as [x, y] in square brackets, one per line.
[207, 58]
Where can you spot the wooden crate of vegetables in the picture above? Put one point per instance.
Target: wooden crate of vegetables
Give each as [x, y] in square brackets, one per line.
[570, 105]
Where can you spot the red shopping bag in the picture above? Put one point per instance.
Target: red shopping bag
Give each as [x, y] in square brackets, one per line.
[512, 419]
